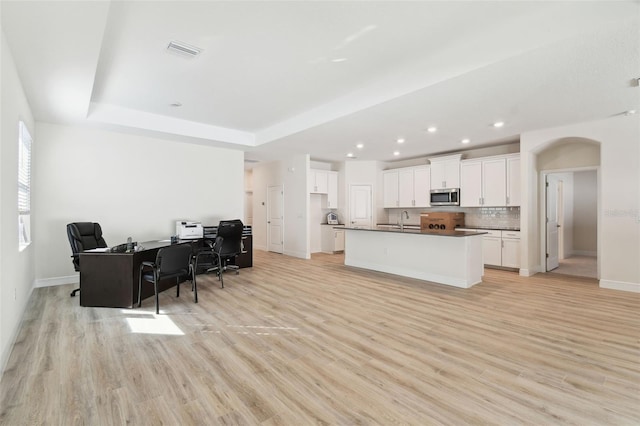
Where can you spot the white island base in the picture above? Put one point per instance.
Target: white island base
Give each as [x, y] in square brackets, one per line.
[453, 259]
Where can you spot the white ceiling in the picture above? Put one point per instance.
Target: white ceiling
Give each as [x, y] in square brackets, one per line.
[266, 81]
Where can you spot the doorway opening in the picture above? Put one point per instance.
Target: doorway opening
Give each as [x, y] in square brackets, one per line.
[275, 219]
[571, 219]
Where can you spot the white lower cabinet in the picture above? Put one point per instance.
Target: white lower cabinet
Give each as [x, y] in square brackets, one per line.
[511, 249]
[332, 239]
[500, 248]
[492, 248]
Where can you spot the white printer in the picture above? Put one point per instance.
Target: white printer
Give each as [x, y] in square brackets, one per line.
[186, 230]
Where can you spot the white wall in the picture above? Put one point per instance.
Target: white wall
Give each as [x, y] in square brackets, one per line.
[292, 173]
[619, 206]
[585, 237]
[16, 267]
[132, 185]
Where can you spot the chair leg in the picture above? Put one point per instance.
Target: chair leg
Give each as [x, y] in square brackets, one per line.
[194, 285]
[155, 288]
[140, 289]
[177, 287]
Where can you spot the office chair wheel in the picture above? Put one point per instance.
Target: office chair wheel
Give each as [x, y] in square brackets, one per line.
[237, 272]
[73, 293]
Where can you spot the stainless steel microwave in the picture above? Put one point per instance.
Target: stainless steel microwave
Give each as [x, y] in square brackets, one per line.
[445, 197]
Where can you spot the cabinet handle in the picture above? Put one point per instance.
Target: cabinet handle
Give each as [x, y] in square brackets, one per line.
[480, 201]
[501, 243]
[444, 183]
[507, 200]
[413, 202]
[397, 203]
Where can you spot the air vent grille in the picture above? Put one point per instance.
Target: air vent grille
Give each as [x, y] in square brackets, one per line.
[183, 49]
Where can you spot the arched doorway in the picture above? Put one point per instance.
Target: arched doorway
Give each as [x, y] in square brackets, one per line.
[568, 172]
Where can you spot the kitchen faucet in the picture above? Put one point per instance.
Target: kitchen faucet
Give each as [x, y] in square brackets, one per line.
[402, 215]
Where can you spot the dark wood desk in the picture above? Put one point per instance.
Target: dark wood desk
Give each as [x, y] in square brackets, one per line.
[111, 279]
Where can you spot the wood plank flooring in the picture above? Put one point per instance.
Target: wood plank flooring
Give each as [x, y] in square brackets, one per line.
[299, 342]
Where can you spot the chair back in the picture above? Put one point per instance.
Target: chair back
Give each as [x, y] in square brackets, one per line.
[84, 236]
[174, 260]
[231, 233]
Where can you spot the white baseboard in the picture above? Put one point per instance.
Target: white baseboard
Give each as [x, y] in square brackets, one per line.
[584, 253]
[299, 254]
[50, 282]
[530, 272]
[6, 351]
[620, 285]
[258, 247]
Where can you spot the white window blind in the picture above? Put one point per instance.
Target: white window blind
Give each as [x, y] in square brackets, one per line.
[24, 185]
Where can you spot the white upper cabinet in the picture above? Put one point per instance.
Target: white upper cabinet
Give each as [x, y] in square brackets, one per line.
[406, 187]
[318, 181]
[484, 182]
[390, 188]
[421, 186]
[471, 184]
[513, 181]
[494, 182]
[445, 172]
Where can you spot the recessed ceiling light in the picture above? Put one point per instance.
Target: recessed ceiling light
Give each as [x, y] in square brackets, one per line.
[336, 60]
[400, 140]
[350, 155]
[432, 129]
[396, 153]
[360, 146]
[498, 124]
[630, 112]
[176, 104]
[465, 141]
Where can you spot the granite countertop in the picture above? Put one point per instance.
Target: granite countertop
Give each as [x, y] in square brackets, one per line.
[418, 231]
[494, 228]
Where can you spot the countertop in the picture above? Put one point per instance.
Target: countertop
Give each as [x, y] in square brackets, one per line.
[490, 228]
[494, 228]
[418, 231]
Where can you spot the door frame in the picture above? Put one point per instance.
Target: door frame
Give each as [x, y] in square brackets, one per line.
[542, 213]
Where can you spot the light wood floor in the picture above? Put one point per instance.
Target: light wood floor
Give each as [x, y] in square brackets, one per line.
[581, 266]
[298, 342]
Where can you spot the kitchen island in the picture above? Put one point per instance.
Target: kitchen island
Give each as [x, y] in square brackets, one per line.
[452, 258]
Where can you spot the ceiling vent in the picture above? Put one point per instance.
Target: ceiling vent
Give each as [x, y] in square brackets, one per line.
[183, 49]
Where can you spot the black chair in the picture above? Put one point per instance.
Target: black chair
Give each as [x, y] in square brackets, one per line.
[83, 236]
[228, 245]
[207, 258]
[231, 233]
[171, 262]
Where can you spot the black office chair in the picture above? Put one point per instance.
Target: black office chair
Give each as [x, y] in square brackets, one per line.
[208, 259]
[231, 233]
[83, 236]
[228, 245]
[171, 262]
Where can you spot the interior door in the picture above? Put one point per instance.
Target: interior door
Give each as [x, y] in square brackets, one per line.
[360, 206]
[275, 219]
[552, 222]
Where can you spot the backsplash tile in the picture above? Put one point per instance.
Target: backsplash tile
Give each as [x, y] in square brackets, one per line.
[498, 217]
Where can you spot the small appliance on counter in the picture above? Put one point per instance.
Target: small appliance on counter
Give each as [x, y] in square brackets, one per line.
[186, 230]
[441, 221]
[332, 218]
